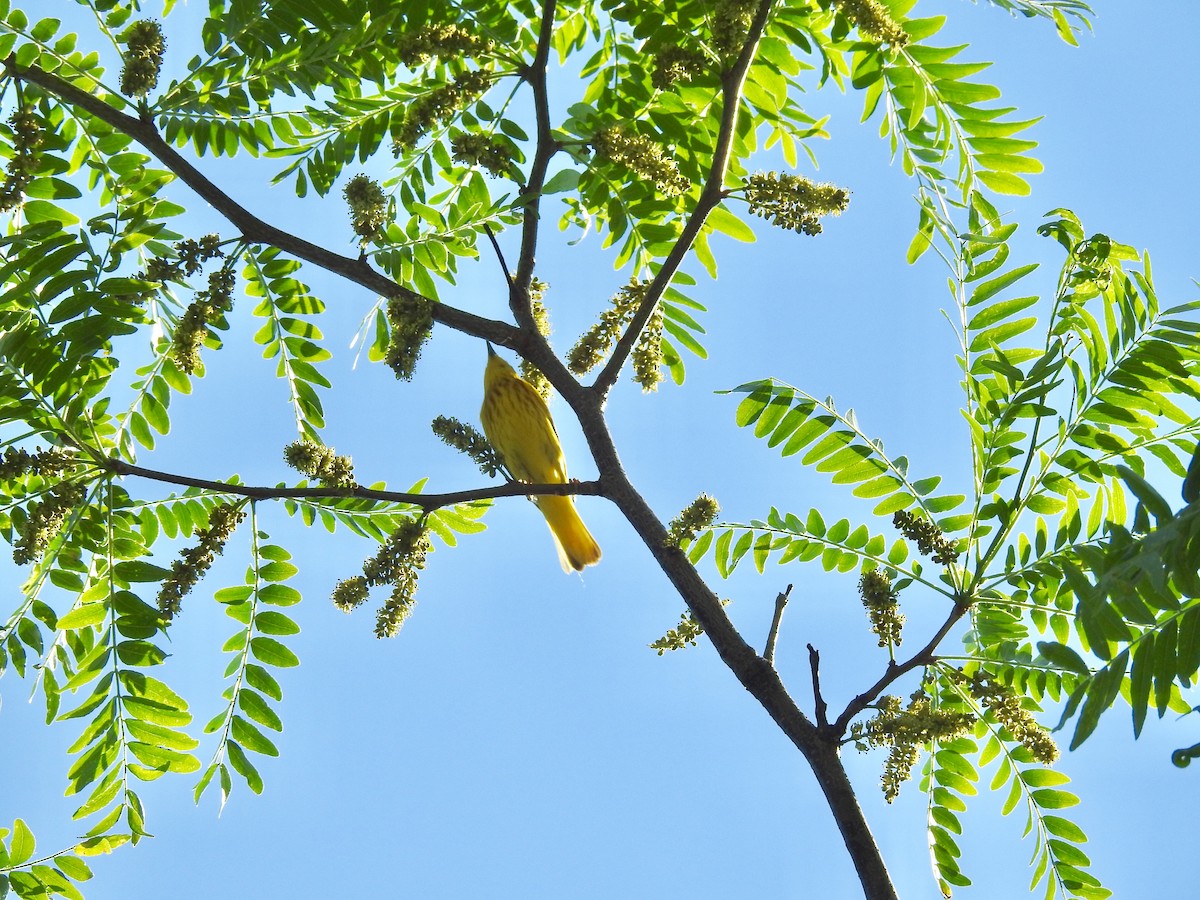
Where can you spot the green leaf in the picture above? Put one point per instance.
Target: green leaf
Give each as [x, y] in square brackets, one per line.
[273, 653]
[724, 221]
[251, 738]
[242, 765]
[990, 288]
[270, 622]
[84, 616]
[22, 845]
[257, 709]
[1063, 656]
[1048, 798]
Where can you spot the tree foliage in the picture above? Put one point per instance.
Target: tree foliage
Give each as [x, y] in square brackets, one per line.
[1068, 576]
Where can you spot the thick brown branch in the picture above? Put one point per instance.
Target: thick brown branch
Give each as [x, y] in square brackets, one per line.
[895, 670]
[251, 227]
[426, 502]
[711, 196]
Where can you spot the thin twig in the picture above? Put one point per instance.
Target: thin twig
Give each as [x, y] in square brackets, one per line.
[780, 602]
[426, 502]
[922, 657]
[822, 709]
[487, 229]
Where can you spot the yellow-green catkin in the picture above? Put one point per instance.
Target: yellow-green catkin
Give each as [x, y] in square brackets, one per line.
[647, 353]
[437, 105]
[698, 515]
[44, 518]
[411, 319]
[674, 64]
[793, 201]
[483, 150]
[398, 563]
[58, 496]
[873, 21]
[27, 139]
[144, 49]
[368, 207]
[642, 156]
[320, 462]
[468, 440]
[589, 351]
[685, 634]
[206, 309]
[904, 731]
[193, 562]
[931, 540]
[880, 600]
[441, 42]
[729, 24]
[1006, 707]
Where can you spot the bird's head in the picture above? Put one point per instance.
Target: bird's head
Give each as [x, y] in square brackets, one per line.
[497, 369]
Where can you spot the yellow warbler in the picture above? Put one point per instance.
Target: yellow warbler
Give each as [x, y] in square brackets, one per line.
[517, 422]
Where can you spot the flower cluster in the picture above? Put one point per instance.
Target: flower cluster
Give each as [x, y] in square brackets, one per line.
[368, 206]
[730, 23]
[594, 345]
[647, 353]
[44, 519]
[697, 516]
[880, 600]
[193, 562]
[320, 462]
[17, 462]
[438, 105]
[1006, 707]
[482, 150]
[27, 138]
[682, 635]
[873, 21]
[931, 541]
[641, 156]
[144, 49]
[207, 308]
[439, 42]
[905, 731]
[469, 441]
[793, 201]
[190, 259]
[674, 64]
[411, 319]
[541, 321]
[398, 563]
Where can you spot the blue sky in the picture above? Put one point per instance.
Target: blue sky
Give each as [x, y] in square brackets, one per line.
[518, 739]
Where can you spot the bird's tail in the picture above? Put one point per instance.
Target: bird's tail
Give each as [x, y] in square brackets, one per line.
[575, 544]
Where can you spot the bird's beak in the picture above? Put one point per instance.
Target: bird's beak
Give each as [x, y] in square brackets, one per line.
[491, 351]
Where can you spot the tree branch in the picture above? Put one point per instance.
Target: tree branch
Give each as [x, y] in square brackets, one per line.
[711, 196]
[251, 227]
[487, 229]
[895, 670]
[427, 502]
[773, 635]
[535, 75]
[822, 709]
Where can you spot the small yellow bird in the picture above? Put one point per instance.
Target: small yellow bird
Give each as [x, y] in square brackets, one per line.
[517, 422]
